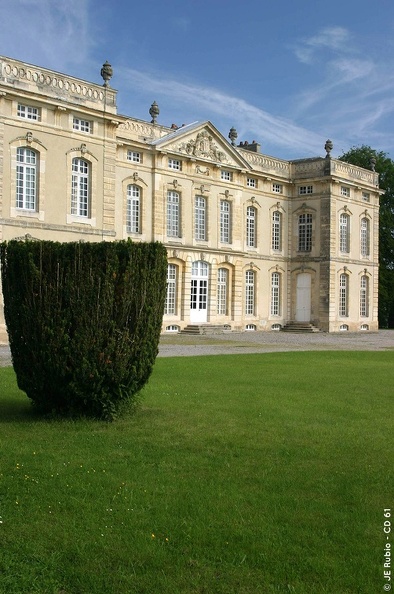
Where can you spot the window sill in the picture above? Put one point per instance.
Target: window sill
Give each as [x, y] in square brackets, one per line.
[78, 220]
[30, 214]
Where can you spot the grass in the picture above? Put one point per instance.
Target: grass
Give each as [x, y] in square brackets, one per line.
[238, 474]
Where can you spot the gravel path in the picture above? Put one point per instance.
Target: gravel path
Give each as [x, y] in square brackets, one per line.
[179, 345]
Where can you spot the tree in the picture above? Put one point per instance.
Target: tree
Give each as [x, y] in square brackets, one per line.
[365, 156]
[83, 320]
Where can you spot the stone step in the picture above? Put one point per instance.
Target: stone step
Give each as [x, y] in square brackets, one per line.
[300, 327]
[204, 329]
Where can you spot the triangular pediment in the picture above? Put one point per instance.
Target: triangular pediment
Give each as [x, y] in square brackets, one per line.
[203, 142]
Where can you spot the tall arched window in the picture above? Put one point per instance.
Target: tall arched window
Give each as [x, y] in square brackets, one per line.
[305, 233]
[275, 294]
[133, 211]
[225, 221]
[173, 214]
[251, 218]
[80, 188]
[276, 239]
[249, 292]
[200, 218]
[364, 296]
[170, 302]
[343, 295]
[26, 179]
[344, 233]
[364, 237]
[222, 291]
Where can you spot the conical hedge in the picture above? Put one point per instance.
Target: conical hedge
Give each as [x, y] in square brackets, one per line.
[83, 320]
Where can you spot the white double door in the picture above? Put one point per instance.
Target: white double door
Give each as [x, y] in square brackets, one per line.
[303, 298]
[199, 292]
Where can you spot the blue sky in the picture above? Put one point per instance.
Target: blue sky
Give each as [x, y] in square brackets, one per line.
[286, 73]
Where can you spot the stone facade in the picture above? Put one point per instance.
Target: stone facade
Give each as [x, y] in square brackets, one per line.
[253, 242]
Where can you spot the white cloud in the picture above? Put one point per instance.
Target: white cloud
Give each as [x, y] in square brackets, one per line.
[50, 33]
[333, 38]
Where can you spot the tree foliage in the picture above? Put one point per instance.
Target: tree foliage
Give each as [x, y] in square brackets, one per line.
[362, 156]
[84, 320]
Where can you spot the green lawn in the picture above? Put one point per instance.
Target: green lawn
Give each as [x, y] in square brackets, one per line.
[241, 474]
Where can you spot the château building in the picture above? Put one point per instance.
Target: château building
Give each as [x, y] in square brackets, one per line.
[254, 242]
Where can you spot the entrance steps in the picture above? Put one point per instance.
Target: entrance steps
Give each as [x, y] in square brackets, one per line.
[300, 327]
[205, 329]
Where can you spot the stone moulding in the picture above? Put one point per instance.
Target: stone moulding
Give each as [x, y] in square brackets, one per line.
[62, 86]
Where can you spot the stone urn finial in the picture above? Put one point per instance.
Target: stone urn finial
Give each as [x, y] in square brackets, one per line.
[328, 147]
[233, 135]
[154, 112]
[106, 73]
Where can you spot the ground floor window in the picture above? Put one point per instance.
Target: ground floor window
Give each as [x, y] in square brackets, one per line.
[170, 303]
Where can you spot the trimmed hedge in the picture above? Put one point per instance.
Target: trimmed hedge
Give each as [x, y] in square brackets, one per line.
[83, 320]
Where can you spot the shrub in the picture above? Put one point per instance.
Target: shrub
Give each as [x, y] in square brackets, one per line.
[83, 320]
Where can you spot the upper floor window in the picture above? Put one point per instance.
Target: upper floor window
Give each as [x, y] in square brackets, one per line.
[343, 295]
[305, 233]
[278, 188]
[28, 112]
[26, 179]
[251, 216]
[222, 290]
[80, 188]
[225, 221]
[251, 182]
[82, 125]
[344, 233]
[170, 302]
[133, 210]
[275, 294]
[364, 237]
[173, 214]
[134, 156]
[226, 175]
[200, 218]
[366, 196]
[305, 190]
[276, 240]
[249, 292]
[345, 191]
[175, 164]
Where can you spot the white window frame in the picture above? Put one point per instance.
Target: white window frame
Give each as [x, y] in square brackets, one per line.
[251, 226]
[175, 164]
[250, 292]
[305, 229]
[364, 296]
[275, 293]
[344, 233]
[80, 125]
[225, 221]
[80, 188]
[277, 188]
[173, 214]
[134, 156]
[345, 191]
[28, 112]
[133, 209]
[305, 190]
[276, 230]
[200, 218]
[365, 237]
[343, 295]
[26, 179]
[170, 301]
[226, 175]
[366, 196]
[251, 182]
[222, 291]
